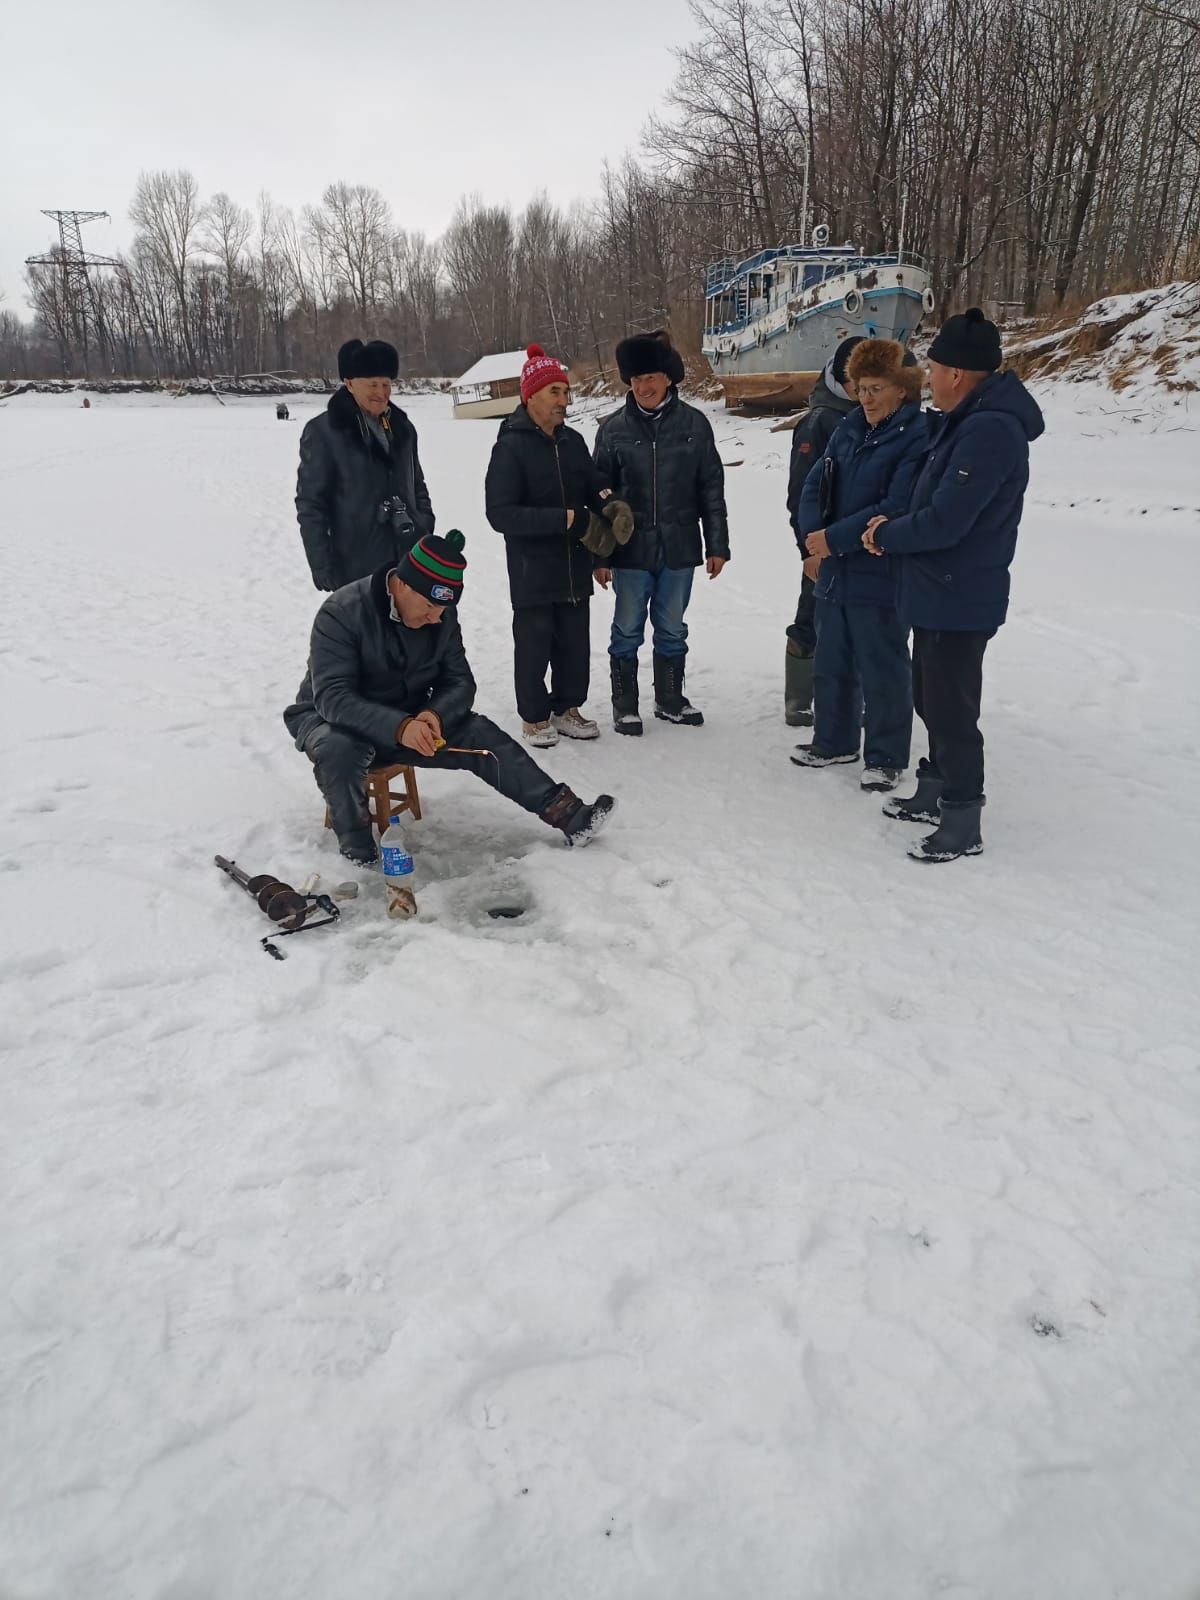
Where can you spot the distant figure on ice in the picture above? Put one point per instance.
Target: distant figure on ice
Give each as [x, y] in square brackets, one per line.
[547, 499]
[956, 543]
[361, 498]
[388, 679]
[831, 400]
[87, 404]
[658, 453]
[861, 670]
[282, 412]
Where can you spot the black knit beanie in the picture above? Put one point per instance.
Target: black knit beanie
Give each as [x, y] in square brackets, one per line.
[841, 355]
[434, 567]
[968, 341]
[644, 353]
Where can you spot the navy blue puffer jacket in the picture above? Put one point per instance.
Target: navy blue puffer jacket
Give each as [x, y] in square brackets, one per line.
[958, 539]
[873, 471]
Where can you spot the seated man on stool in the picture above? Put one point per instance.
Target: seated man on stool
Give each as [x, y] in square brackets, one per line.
[388, 683]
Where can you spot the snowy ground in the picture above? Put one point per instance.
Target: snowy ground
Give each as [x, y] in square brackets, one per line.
[763, 1215]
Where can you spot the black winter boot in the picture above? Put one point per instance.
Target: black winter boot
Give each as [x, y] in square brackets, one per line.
[577, 822]
[922, 804]
[670, 702]
[797, 688]
[358, 845]
[957, 834]
[625, 694]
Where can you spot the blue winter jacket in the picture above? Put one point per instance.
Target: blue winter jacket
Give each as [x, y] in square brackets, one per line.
[958, 539]
[872, 476]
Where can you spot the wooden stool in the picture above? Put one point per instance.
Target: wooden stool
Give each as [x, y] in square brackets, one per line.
[383, 801]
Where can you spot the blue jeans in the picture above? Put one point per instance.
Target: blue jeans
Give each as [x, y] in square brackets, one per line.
[665, 595]
[862, 678]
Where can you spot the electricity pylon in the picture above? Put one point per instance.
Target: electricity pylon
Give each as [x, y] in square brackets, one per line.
[80, 303]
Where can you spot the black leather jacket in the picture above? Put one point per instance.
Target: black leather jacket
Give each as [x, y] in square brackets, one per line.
[671, 474]
[347, 491]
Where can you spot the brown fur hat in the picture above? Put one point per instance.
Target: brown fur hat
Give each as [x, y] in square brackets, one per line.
[886, 358]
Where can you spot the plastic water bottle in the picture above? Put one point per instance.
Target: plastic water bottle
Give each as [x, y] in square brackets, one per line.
[397, 872]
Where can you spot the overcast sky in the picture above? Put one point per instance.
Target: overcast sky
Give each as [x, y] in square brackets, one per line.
[424, 99]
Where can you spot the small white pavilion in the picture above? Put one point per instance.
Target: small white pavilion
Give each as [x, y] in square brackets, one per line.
[491, 388]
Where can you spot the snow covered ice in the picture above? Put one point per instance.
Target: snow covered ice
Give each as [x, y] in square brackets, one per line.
[759, 1217]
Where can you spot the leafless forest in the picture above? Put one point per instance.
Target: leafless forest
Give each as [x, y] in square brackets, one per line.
[1039, 152]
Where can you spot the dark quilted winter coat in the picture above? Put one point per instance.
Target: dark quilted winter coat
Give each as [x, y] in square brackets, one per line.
[865, 473]
[345, 477]
[532, 481]
[671, 474]
[809, 439]
[367, 673]
[957, 542]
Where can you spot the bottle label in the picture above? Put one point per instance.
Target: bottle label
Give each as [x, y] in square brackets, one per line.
[397, 863]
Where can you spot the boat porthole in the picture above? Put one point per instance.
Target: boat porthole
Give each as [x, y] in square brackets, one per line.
[854, 303]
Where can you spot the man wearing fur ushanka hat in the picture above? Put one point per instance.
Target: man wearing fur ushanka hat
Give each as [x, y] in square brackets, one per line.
[361, 497]
[659, 454]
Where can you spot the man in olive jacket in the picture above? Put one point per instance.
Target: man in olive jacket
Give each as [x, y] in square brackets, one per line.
[659, 454]
[361, 497]
[388, 683]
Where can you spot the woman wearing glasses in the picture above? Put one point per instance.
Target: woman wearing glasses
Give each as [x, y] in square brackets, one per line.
[862, 676]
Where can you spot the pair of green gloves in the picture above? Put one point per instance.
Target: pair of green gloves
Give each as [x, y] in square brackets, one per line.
[605, 532]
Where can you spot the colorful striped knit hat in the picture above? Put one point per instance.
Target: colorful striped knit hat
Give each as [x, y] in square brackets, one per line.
[434, 567]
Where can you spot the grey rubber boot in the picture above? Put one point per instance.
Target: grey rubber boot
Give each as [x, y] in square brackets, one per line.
[797, 688]
[957, 834]
[922, 804]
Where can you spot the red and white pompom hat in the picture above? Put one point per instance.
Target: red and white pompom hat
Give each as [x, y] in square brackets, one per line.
[539, 370]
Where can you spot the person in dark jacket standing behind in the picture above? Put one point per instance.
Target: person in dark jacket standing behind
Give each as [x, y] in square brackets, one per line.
[956, 544]
[659, 454]
[361, 497]
[862, 674]
[547, 499]
[831, 400]
[388, 682]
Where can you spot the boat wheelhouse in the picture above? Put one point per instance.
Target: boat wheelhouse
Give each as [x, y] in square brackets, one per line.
[772, 320]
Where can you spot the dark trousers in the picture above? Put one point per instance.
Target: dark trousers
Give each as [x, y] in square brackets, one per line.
[947, 680]
[803, 631]
[554, 636]
[341, 758]
[862, 678]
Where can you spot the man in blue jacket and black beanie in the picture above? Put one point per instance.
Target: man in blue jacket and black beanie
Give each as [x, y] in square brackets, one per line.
[957, 541]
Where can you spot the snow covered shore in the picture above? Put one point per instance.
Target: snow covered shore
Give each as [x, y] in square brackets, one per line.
[761, 1215]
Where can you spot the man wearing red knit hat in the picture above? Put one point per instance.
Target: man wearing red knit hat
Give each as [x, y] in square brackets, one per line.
[547, 499]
